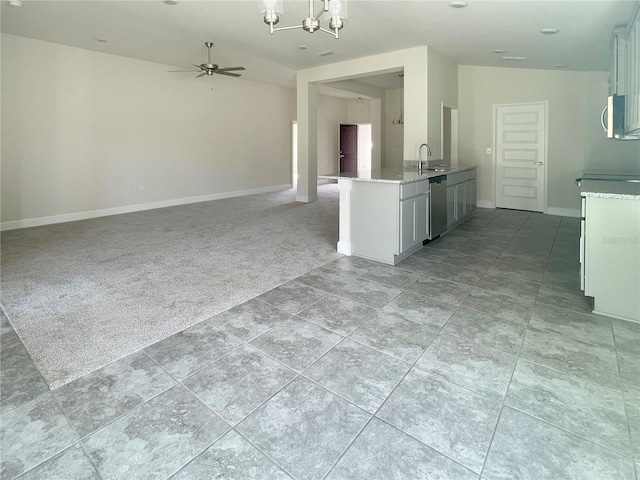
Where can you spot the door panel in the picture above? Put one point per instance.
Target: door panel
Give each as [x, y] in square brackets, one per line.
[472, 194]
[460, 189]
[407, 224]
[520, 156]
[348, 148]
[422, 220]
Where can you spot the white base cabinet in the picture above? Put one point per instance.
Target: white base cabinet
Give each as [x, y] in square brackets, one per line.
[461, 197]
[610, 255]
[388, 221]
[414, 222]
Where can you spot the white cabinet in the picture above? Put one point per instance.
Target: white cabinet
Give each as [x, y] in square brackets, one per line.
[407, 224]
[473, 202]
[610, 255]
[461, 197]
[387, 221]
[414, 215]
[617, 73]
[624, 77]
[632, 65]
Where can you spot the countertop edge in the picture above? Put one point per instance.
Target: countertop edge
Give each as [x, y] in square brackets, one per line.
[610, 189]
[424, 176]
[623, 196]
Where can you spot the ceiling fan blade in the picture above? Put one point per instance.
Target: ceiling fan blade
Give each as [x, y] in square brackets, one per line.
[229, 69]
[182, 70]
[201, 75]
[222, 72]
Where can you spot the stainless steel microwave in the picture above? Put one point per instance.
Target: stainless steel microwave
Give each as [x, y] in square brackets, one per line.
[613, 119]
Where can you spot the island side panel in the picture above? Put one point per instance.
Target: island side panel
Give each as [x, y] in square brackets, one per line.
[613, 256]
[374, 220]
[344, 242]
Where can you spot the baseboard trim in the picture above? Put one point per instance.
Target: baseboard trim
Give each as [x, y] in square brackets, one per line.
[484, 204]
[306, 199]
[105, 212]
[344, 247]
[564, 212]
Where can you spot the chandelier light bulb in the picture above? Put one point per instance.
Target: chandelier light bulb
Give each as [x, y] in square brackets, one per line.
[335, 8]
[270, 11]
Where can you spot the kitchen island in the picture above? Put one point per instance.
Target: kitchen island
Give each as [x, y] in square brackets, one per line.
[610, 246]
[384, 214]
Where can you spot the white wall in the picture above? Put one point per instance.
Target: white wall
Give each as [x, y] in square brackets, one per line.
[393, 132]
[80, 129]
[332, 111]
[364, 147]
[480, 88]
[358, 110]
[412, 61]
[443, 87]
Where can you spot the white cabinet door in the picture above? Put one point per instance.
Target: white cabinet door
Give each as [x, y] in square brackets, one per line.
[422, 217]
[451, 205]
[633, 76]
[617, 73]
[472, 195]
[459, 196]
[407, 224]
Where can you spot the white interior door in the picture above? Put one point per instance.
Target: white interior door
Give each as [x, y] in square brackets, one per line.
[521, 156]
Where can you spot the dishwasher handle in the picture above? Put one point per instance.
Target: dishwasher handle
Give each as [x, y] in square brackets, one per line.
[438, 179]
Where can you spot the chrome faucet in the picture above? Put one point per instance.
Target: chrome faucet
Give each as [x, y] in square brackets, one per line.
[420, 155]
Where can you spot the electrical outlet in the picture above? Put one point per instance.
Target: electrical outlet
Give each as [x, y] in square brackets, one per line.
[489, 151]
[138, 187]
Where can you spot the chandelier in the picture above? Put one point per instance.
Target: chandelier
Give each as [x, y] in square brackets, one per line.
[272, 9]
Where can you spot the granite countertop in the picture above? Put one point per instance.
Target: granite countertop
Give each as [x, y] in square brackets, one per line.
[610, 189]
[397, 175]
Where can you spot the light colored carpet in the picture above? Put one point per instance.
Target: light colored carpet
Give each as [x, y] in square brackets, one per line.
[81, 295]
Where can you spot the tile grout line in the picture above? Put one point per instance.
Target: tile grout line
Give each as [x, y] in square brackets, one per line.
[504, 399]
[375, 414]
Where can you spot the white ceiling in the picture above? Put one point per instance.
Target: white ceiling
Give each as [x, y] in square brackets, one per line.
[174, 35]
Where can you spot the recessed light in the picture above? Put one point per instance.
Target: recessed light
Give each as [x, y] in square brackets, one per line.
[101, 40]
[15, 3]
[170, 2]
[560, 66]
[326, 53]
[549, 31]
[302, 47]
[505, 57]
[458, 4]
[499, 50]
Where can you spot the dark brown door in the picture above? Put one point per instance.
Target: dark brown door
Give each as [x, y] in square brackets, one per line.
[348, 148]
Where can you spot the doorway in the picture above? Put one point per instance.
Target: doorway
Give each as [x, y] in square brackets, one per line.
[355, 145]
[348, 153]
[294, 153]
[449, 133]
[520, 157]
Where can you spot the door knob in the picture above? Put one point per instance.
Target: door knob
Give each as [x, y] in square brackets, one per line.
[537, 163]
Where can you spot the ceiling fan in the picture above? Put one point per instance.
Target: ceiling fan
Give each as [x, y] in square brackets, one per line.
[210, 68]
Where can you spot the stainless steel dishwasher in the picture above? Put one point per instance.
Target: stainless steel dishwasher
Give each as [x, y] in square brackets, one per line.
[437, 206]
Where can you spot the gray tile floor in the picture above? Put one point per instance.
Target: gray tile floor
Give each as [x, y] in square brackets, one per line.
[477, 357]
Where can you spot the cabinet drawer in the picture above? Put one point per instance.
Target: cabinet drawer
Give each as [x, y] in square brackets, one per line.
[470, 174]
[455, 178]
[422, 187]
[408, 190]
